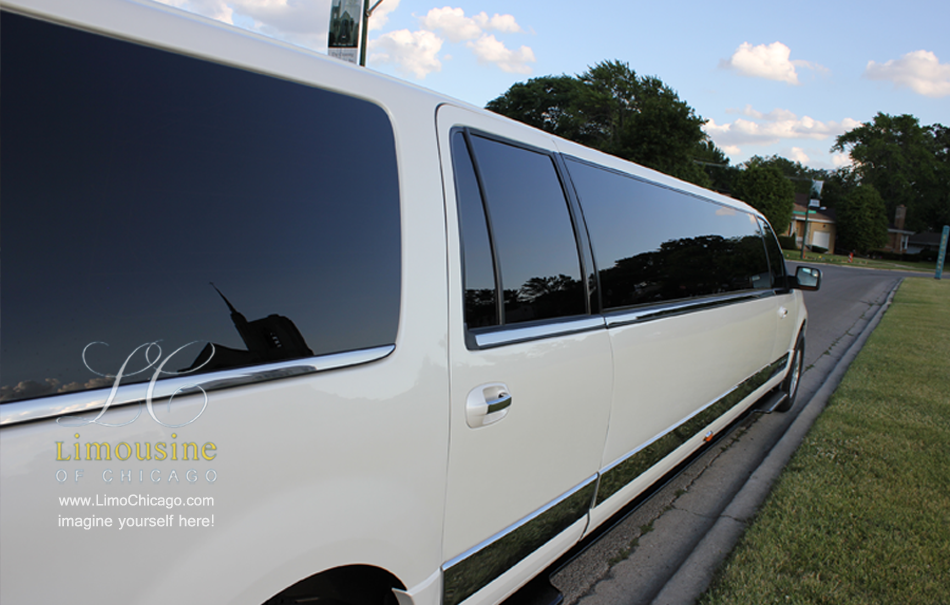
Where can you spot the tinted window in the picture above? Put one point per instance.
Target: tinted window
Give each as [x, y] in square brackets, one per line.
[653, 244]
[776, 258]
[478, 274]
[132, 178]
[532, 232]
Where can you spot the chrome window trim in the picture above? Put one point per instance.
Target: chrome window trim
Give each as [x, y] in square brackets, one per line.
[507, 334]
[480, 565]
[510, 335]
[88, 401]
[652, 312]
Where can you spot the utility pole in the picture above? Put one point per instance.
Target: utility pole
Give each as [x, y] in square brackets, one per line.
[364, 33]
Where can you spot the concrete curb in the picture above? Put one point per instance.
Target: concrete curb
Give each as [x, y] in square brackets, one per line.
[694, 575]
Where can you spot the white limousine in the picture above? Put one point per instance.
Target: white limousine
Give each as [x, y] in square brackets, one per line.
[277, 329]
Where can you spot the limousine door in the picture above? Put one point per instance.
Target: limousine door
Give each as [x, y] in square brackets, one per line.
[530, 374]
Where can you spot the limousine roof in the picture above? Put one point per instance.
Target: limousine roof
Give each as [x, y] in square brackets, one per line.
[163, 26]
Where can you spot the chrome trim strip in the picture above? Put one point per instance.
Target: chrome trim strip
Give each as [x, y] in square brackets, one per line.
[507, 335]
[87, 401]
[475, 568]
[622, 318]
[622, 472]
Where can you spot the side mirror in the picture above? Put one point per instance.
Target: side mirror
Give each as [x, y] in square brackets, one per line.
[807, 278]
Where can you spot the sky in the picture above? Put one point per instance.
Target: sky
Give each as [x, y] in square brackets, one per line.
[769, 77]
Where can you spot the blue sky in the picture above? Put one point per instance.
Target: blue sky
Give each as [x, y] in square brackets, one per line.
[770, 78]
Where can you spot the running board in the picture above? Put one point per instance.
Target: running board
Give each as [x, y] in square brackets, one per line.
[767, 404]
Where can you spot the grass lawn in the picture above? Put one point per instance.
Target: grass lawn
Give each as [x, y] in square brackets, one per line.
[834, 259]
[861, 515]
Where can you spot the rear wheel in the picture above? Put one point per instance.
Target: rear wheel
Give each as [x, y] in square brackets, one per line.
[351, 585]
[792, 380]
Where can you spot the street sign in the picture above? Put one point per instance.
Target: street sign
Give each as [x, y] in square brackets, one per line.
[344, 35]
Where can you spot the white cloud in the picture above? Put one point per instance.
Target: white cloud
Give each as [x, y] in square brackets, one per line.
[505, 24]
[771, 128]
[731, 150]
[453, 23]
[380, 16]
[798, 155]
[776, 115]
[413, 53]
[489, 50]
[920, 71]
[839, 160]
[770, 61]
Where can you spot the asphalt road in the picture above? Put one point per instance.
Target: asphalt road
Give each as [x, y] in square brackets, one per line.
[846, 294]
[665, 552]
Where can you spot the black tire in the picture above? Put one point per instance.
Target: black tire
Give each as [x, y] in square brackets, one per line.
[794, 377]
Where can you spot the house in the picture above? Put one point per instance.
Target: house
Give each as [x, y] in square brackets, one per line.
[820, 224]
[897, 236]
[924, 241]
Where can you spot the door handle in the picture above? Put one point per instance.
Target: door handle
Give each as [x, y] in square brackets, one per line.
[496, 405]
[782, 312]
[487, 404]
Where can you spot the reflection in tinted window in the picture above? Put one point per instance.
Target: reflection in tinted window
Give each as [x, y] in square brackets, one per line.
[532, 231]
[133, 178]
[478, 273]
[776, 258]
[653, 244]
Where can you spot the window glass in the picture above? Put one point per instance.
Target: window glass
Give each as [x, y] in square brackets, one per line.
[532, 232]
[478, 272]
[653, 244]
[133, 179]
[776, 258]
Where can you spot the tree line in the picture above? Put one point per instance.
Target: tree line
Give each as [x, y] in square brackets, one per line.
[895, 160]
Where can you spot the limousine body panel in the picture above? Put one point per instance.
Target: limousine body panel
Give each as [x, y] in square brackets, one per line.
[368, 457]
[675, 366]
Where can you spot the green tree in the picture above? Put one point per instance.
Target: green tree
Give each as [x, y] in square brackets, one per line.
[610, 108]
[551, 103]
[862, 220]
[934, 209]
[838, 185]
[802, 177]
[907, 163]
[764, 187]
[715, 164]
[665, 133]
[610, 100]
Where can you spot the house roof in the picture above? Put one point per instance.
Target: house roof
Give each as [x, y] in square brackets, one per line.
[930, 238]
